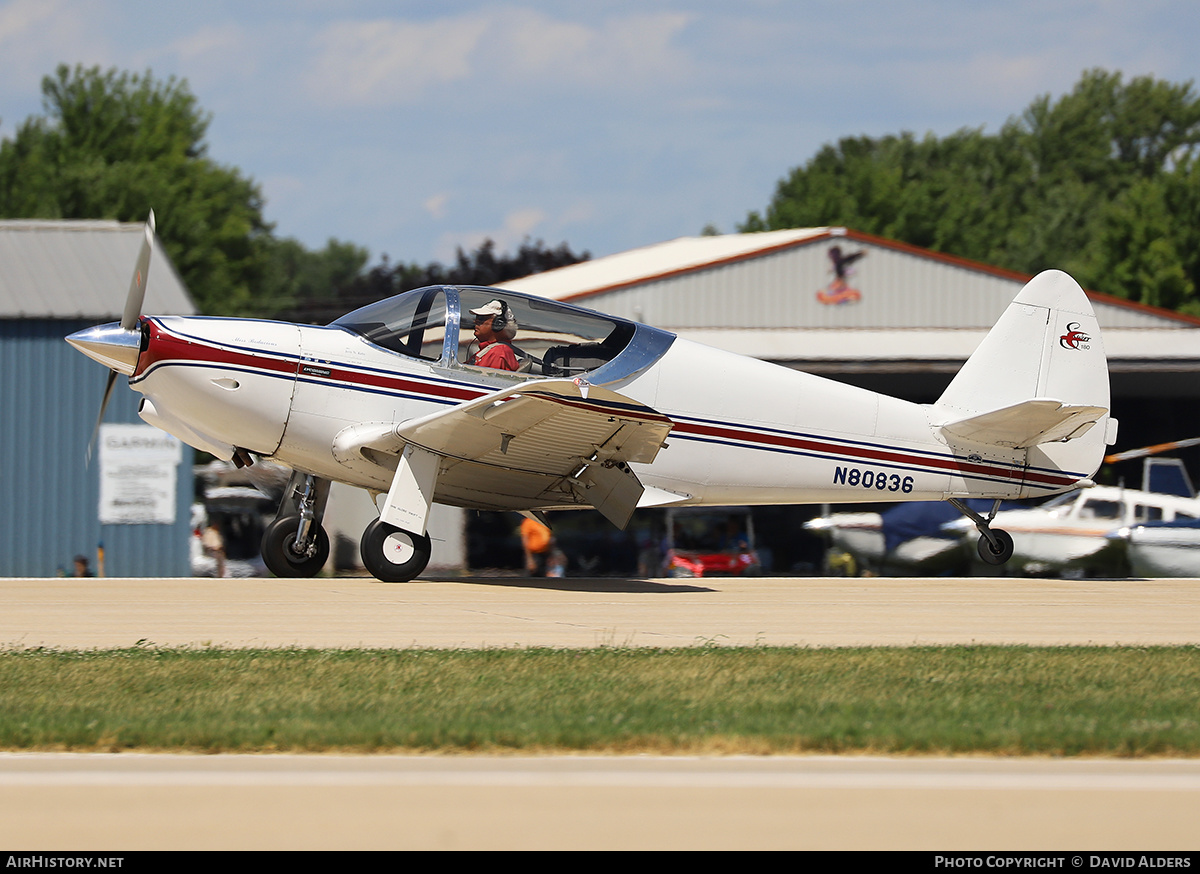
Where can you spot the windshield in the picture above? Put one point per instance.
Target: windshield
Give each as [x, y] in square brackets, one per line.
[413, 323]
[1061, 505]
[1094, 508]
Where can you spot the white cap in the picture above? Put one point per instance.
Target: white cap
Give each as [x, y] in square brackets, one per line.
[491, 308]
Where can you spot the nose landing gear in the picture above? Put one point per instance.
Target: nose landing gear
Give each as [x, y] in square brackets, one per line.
[295, 544]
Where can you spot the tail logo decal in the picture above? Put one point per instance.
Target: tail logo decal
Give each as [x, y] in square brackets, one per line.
[1075, 338]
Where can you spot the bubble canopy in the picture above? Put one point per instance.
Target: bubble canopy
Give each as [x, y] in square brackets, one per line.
[549, 338]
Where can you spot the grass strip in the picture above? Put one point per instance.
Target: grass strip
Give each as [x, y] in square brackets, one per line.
[1112, 701]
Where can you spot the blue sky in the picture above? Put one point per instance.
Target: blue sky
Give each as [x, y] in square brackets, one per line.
[415, 127]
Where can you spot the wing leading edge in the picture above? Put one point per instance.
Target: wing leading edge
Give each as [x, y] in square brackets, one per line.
[546, 443]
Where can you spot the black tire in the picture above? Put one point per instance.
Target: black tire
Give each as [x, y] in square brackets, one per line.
[393, 555]
[277, 549]
[994, 556]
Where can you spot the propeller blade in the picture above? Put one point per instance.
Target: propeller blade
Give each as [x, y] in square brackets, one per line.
[1151, 450]
[108, 387]
[137, 287]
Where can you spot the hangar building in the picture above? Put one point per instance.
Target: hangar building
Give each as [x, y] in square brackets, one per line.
[902, 321]
[57, 277]
[899, 319]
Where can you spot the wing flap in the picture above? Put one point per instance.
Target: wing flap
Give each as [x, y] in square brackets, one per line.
[544, 427]
[544, 443]
[614, 490]
[1029, 423]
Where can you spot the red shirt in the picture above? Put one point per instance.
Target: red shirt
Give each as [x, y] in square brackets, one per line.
[498, 356]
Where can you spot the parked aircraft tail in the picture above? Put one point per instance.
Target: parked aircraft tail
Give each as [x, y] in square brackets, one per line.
[1036, 390]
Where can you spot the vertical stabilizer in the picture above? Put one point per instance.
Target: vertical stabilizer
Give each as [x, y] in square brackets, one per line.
[1045, 348]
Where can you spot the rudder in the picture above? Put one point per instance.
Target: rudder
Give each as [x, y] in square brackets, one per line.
[1045, 347]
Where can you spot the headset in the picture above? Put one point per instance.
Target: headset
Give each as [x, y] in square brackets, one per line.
[500, 322]
[504, 326]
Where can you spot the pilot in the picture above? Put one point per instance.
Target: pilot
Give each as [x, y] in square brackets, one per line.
[494, 328]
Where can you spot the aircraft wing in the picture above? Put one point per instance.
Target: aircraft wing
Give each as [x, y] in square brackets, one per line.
[544, 443]
[1040, 420]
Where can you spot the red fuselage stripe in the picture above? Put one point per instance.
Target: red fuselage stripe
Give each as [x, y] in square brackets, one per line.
[165, 347]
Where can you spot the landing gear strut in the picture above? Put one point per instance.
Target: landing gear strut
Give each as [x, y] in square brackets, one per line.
[295, 544]
[995, 545]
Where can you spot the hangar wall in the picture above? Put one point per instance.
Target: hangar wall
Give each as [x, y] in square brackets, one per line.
[49, 493]
[57, 277]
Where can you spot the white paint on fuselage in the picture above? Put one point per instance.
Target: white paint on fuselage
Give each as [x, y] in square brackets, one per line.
[746, 432]
[229, 383]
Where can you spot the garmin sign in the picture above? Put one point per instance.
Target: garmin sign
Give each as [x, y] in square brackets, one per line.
[138, 472]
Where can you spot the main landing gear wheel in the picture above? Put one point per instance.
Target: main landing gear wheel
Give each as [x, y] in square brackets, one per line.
[392, 554]
[285, 558]
[1000, 552]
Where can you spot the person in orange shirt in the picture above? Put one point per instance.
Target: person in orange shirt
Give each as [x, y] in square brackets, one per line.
[538, 543]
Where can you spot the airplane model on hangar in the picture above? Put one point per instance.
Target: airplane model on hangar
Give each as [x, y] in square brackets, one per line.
[599, 412]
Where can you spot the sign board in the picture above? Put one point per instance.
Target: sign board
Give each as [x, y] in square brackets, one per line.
[139, 469]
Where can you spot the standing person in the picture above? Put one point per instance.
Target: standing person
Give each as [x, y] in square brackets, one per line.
[81, 567]
[536, 539]
[556, 563]
[214, 546]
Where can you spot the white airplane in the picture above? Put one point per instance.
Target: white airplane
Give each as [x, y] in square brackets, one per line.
[602, 412]
[1079, 532]
[1071, 532]
[1162, 549]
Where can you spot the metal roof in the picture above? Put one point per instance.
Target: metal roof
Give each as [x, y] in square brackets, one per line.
[772, 279]
[657, 261]
[769, 295]
[80, 270]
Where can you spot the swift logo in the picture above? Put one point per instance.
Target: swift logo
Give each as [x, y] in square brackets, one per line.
[1075, 338]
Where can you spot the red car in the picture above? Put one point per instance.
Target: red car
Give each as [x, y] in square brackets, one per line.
[698, 564]
[703, 542]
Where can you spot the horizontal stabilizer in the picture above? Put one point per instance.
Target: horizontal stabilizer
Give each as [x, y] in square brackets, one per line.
[1029, 423]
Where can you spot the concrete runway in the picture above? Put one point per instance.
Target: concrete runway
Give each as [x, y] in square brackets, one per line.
[132, 801]
[482, 612]
[155, 802]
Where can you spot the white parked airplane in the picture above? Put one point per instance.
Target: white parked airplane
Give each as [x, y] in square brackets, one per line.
[1071, 532]
[1162, 549]
[1084, 531]
[602, 412]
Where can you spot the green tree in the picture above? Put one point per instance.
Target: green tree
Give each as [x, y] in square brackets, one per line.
[297, 276]
[1100, 182]
[1146, 240]
[114, 145]
[479, 267]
